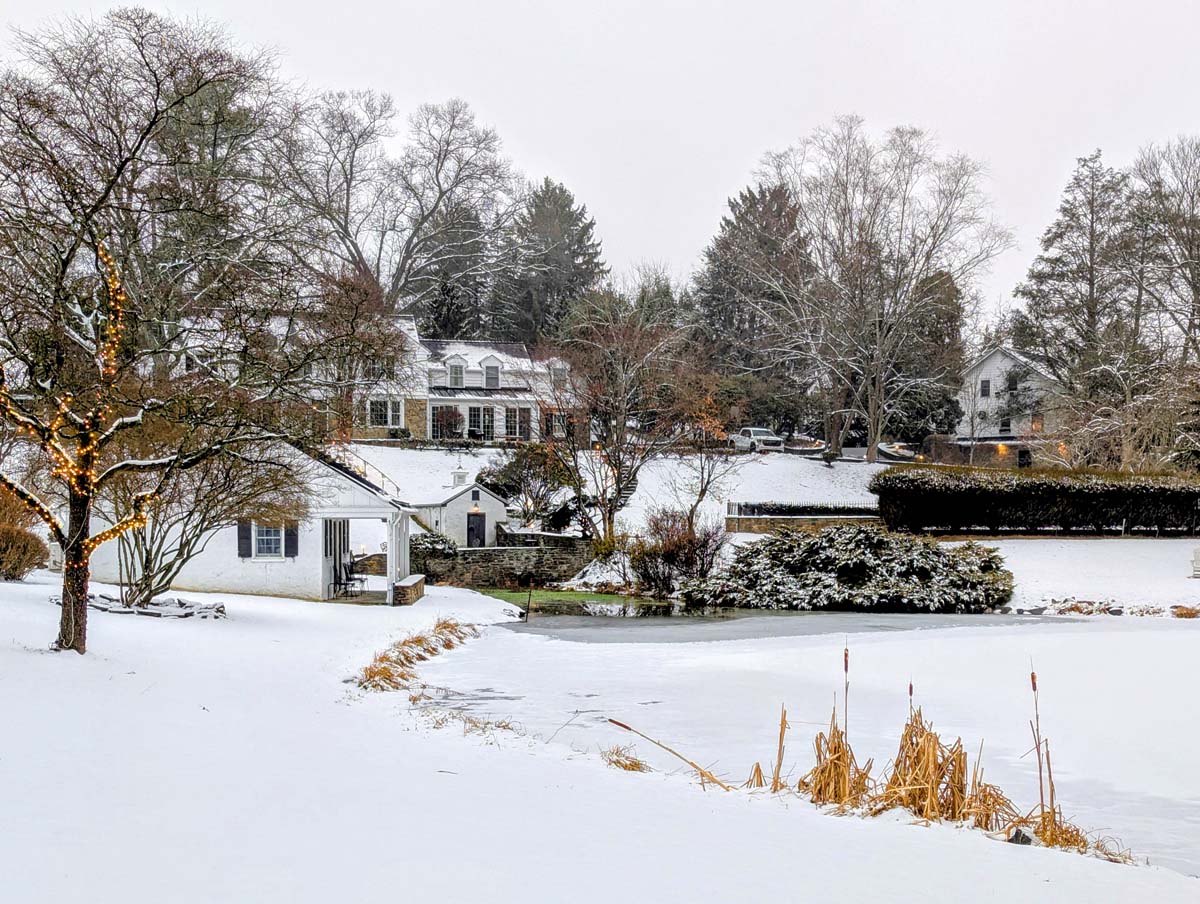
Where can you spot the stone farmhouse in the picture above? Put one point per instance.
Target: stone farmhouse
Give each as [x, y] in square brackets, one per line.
[450, 389]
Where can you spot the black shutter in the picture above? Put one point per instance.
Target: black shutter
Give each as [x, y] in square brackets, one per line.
[244, 545]
[291, 540]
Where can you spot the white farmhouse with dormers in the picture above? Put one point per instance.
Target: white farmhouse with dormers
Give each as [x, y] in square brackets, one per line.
[448, 389]
[1006, 398]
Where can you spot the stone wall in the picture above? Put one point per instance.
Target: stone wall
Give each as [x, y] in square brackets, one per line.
[768, 524]
[414, 417]
[508, 566]
[408, 591]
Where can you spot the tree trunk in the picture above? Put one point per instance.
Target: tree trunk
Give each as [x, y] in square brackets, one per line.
[72, 627]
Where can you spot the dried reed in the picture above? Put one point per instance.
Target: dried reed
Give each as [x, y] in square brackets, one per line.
[705, 775]
[836, 778]
[756, 779]
[1186, 611]
[928, 778]
[623, 758]
[777, 773]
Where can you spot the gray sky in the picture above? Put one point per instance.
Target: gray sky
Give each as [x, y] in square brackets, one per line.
[654, 113]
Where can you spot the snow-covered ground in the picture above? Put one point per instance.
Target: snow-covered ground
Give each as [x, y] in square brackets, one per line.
[772, 477]
[192, 761]
[1116, 702]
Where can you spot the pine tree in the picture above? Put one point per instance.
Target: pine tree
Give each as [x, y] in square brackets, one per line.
[560, 262]
[1078, 291]
[753, 237]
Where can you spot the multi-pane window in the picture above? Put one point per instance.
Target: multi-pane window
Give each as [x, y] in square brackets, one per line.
[558, 375]
[1006, 425]
[491, 377]
[381, 369]
[268, 541]
[446, 421]
[510, 422]
[377, 413]
[1014, 381]
[1037, 422]
[457, 376]
[985, 388]
[558, 422]
[396, 413]
[474, 421]
[489, 423]
[524, 423]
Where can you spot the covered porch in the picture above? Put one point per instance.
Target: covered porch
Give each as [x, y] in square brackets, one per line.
[338, 579]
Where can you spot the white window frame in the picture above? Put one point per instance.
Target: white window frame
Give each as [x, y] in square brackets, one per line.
[254, 537]
[371, 421]
[456, 375]
[558, 375]
[491, 376]
[395, 412]
[510, 422]
[985, 389]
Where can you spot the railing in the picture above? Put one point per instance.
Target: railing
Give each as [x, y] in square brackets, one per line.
[359, 465]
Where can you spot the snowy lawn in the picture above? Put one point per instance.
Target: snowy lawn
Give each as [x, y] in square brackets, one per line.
[190, 761]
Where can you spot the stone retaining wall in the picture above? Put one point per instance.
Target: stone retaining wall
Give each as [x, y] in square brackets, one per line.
[768, 524]
[507, 566]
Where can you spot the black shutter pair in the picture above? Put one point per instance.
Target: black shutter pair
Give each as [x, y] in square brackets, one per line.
[291, 539]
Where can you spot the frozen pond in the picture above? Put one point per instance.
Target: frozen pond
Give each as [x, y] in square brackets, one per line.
[1116, 699]
[748, 624]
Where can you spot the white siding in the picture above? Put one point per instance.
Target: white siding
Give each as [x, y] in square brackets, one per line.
[985, 413]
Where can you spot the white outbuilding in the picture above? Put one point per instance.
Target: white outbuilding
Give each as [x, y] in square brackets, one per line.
[309, 559]
[465, 512]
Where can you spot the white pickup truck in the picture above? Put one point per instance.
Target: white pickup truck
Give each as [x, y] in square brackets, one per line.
[755, 439]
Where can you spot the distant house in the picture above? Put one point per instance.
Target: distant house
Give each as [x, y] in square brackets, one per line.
[1007, 400]
[465, 512]
[447, 389]
[308, 559]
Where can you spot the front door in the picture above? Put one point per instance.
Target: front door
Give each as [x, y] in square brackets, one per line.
[476, 529]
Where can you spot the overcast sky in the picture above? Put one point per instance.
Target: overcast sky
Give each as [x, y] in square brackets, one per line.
[654, 113]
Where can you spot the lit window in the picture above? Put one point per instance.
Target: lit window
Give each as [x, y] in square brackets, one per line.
[268, 541]
[456, 376]
[1037, 422]
[491, 377]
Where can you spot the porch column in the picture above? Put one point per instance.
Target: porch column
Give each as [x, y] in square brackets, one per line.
[392, 552]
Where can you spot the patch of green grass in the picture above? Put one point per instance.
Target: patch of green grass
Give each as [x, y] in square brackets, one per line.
[520, 597]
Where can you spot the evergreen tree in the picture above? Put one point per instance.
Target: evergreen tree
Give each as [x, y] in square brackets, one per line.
[754, 236]
[559, 261]
[1079, 294]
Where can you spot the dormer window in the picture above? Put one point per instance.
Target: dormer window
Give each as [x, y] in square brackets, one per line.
[558, 375]
[457, 376]
[491, 376]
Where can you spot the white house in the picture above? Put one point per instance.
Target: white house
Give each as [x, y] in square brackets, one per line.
[467, 513]
[308, 559]
[1006, 396]
[458, 388]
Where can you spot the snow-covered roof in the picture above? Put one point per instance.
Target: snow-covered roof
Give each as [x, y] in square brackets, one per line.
[1021, 358]
[473, 352]
[449, 494]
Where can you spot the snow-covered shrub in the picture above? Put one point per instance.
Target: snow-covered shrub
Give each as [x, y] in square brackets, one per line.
[920, 497]
[430, 543]
[674, 550]
[856, 568]
[21, 551]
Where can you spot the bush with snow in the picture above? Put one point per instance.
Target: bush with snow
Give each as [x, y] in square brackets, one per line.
[21, 551]
[857, 568]
[430, 543]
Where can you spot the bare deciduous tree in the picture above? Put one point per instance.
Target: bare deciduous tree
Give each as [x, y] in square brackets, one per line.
[884, 225]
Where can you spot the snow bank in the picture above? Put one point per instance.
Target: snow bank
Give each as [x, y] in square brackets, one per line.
[228, 761]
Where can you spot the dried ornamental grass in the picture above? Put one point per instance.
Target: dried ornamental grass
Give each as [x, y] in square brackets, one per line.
[1186, 611]
[393, 669]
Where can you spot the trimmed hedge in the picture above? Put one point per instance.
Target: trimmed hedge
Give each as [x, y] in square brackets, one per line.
[854, 569]
[931, 497]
